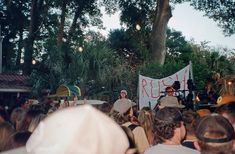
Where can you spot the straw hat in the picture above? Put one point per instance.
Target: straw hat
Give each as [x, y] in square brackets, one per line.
[225, 99]
[170, 101]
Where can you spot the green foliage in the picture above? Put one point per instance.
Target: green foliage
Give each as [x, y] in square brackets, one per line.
[106, 66]
[131, 45]
[222, 12]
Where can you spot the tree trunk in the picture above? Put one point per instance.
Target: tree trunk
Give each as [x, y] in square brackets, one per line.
[73, 25]
[158, 36]
[33, 29]
[19, 51]
[62, 22]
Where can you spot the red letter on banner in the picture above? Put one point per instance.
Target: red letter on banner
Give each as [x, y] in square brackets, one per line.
[151, 84]
[143, 84]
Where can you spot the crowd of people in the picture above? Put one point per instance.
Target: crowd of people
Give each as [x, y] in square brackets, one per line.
[119, 128]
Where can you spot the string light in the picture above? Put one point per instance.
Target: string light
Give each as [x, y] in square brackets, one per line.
[229, 83]
[33, 61]
[80, 49]
[137, 27]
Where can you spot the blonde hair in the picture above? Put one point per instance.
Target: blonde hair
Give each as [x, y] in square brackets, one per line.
[35, 121]
[145, 119]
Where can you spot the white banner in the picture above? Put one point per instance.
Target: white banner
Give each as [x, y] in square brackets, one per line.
[150, 89]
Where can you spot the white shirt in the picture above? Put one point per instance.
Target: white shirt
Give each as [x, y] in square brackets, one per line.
[170, 149]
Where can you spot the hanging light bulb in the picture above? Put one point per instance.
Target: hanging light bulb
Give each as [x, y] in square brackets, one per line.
[33, 61]
[137, 27]
[80, 49]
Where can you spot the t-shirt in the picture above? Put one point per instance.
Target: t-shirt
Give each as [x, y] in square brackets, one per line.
[170, 149]
[188, 144]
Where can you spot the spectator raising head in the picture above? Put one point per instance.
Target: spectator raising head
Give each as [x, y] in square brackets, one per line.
[215, 135]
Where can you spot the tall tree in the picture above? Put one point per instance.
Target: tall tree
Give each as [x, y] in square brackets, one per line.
[13, 19]
[158, 40]
[36, 6]
[156, 13]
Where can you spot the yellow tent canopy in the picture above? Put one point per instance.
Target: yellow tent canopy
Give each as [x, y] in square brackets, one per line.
[68, 90]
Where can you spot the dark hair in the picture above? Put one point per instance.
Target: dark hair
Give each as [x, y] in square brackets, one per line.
[166, 121]
[214, 128]
[229, 110]
[190, 118]
[17, 140]
[105, 107]
[130, 136]
[6, 130]
[4, 114]
[119, 118]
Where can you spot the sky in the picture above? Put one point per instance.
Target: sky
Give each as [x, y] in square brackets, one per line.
[190, 22]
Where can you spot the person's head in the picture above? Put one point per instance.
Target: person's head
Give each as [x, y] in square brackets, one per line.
[35, 121]
[105, 107]
[228, 111]
[6, 130]
[215, 135]
[123, 94]
[145, 119]
[169, 126]
[27, 118]
[3, 115]
[190, 118]
[123, 108]
[203, 112]
[169, 91]
[122, 113]
[17, 115]
[17, 140]
[80, 129]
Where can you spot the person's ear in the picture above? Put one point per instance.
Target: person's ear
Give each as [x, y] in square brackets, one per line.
[233, 144]
[196, 145]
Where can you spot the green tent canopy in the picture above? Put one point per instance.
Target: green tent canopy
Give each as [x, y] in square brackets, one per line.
[68, 90]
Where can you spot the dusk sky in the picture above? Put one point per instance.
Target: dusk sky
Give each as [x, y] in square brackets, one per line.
[190, 22]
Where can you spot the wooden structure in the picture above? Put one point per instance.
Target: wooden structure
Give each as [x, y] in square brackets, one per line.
[12, 88]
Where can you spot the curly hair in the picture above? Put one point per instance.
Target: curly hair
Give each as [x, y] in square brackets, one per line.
[165, 122]
[119, 118]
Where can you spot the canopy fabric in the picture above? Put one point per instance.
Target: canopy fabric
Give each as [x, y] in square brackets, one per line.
[91, 102]
[68, 90]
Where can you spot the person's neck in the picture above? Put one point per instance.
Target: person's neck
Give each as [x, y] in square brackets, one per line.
[191, 138]
[172, 142]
